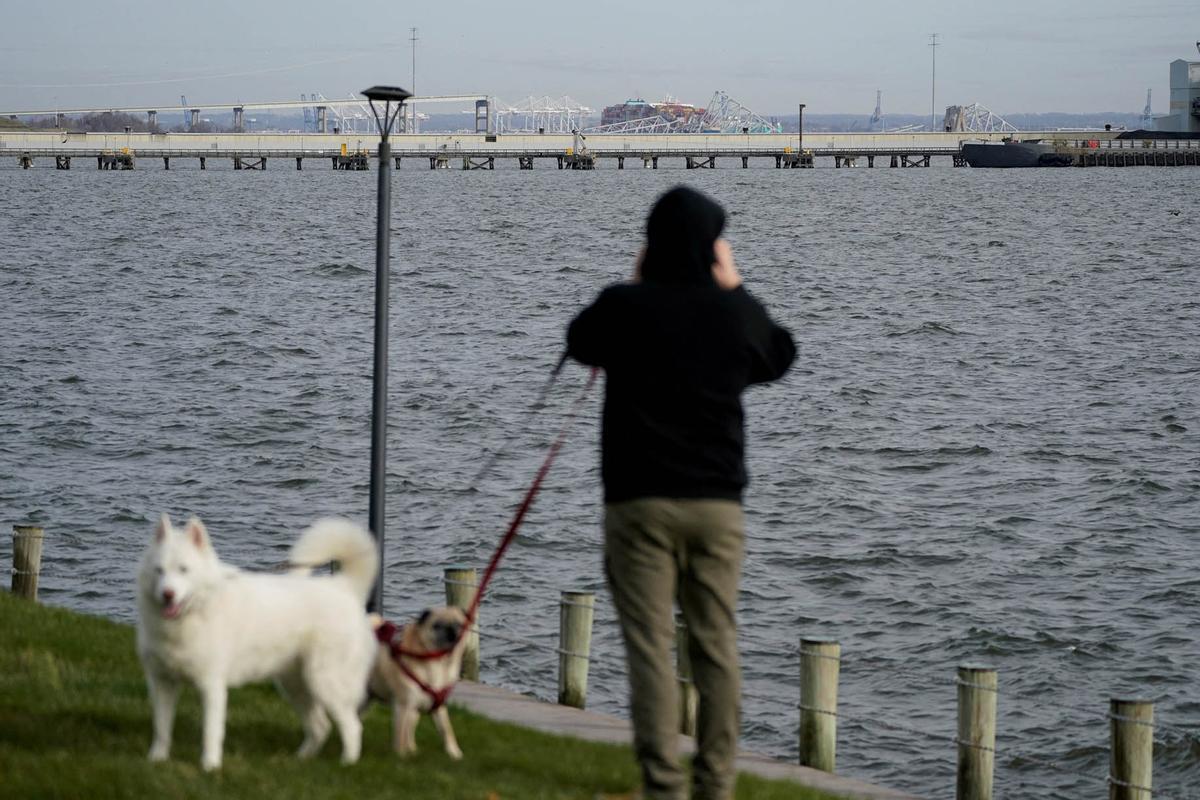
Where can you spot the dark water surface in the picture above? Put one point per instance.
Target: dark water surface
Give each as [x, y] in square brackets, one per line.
[988, 450]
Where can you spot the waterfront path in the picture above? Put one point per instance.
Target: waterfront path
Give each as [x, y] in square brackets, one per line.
[507, 706]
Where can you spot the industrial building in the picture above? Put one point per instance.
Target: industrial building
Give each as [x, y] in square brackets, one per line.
[1184, 115]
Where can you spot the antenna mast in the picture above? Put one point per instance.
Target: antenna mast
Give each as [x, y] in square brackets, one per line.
[933, 43]
[413, 86]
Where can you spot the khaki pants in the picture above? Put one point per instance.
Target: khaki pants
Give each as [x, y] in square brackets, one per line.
[657, 551]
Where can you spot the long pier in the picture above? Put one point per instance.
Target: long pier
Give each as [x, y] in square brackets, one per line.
[481, 150]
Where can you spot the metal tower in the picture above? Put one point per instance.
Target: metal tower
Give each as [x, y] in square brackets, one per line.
[877, 117]
[1148, 113]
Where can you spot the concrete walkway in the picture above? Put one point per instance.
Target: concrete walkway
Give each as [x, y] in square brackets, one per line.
[505, 706]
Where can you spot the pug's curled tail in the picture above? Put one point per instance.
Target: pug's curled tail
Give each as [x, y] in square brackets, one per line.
[340, 540]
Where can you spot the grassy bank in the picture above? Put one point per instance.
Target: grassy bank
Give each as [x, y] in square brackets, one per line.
[75, 723]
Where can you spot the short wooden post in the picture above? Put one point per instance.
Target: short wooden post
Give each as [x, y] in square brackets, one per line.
[978, 690]
[575, 614]
[1131, 723]
[820, 667]
[461, 584]
[27, 560]
[688, 697]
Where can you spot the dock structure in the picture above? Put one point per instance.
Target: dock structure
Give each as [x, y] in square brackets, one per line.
[1133, 152]
[481, 151]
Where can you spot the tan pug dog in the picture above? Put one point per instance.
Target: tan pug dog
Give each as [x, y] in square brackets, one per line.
[435, 629]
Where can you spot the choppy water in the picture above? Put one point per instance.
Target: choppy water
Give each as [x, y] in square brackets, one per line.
[989, 448]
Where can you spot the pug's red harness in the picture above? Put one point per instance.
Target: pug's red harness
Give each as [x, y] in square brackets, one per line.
[386, 633]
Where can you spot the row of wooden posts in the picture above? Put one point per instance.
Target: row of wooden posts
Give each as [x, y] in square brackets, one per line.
[1131, 721]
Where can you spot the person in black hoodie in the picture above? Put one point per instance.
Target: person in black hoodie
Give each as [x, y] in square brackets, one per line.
[678, 345]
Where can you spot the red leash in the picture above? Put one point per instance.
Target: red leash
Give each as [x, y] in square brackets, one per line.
[386, 632]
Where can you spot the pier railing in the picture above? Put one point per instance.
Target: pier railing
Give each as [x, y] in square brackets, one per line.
[1132, 726]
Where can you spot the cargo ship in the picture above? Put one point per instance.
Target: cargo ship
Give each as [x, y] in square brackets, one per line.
[1012, 153]
[637, 108]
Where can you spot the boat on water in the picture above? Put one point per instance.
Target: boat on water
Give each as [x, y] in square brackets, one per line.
[1012, 153]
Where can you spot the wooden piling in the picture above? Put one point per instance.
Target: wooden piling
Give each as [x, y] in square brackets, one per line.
[820, 667]
[1131, 723]
[461, 585]
[576, 611]
[978, 689]
[27, 560]
[689, 701]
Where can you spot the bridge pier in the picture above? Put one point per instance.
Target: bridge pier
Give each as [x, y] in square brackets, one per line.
[471, 164]
[959, 161]
[560, 162]
[439, 162]
[745, 162]
[620, 162]
[702, 162]
[239, 119]
[193, 118]
[397, 162]
[203, 162]
[166, 162]
[62, 162]
[870, 162]
[299, 163]
[525, 162]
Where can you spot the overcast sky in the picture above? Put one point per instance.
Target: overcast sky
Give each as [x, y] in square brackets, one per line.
[1010, 55]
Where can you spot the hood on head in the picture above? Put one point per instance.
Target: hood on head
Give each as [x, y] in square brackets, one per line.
[680, 233]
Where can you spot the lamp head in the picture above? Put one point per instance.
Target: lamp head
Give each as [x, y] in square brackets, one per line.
[387, 93]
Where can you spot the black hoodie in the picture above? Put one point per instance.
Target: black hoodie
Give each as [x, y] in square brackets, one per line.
[677, 351]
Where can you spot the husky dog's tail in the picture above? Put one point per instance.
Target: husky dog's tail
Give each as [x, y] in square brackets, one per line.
[340, 540]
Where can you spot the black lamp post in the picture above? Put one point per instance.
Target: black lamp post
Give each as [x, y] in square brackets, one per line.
[387, 95]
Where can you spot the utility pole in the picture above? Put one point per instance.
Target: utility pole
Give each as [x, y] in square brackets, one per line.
[413, 86]
[933, 43]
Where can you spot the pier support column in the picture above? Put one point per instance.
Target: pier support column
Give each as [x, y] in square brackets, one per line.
[397, 162]
[237, 162]
[620, 162]
[837, 162]
[491, 162]
[99, 162]
[26, 162]
[525, 162]
[166, 162]
[299, 163]
[895, 161]
[203, 162]
[870, 162]
[655, 161]
[778, 162]
[745, 162]
[925, 161]
[62, 162]
[560, 162]
[691, 164]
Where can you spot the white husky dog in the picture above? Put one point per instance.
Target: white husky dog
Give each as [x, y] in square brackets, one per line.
[217, 626]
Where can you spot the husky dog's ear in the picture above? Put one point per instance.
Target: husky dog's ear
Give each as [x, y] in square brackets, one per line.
[197, 533]
[160, 530]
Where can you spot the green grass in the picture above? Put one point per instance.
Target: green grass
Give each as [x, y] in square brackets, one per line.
[75, 723]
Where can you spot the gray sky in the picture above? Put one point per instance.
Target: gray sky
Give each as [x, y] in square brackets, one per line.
[1010, 55]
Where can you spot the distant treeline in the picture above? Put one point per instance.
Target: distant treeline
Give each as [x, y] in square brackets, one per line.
[110, 122]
